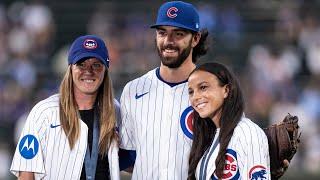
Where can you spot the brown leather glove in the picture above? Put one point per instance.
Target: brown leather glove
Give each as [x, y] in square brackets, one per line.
[283, 139]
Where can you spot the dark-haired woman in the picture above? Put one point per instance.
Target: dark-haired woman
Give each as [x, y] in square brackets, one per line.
[226, 145]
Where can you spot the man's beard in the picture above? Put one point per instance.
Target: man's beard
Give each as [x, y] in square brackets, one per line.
[174, 62]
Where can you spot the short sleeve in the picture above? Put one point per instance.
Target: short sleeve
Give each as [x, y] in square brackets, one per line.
[251, 145]
[28, 155]
[126, 128]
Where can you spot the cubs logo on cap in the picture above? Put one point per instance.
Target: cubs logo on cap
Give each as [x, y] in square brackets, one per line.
[171, 13]
[88, 46]
[178, 14]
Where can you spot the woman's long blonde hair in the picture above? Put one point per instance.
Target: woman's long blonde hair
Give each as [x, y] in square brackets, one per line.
[69, 117]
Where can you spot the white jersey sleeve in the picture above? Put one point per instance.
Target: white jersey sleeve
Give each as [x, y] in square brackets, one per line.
[247, 155]
[252, 150]
[125, 126]
[117, 112]
[28, 154]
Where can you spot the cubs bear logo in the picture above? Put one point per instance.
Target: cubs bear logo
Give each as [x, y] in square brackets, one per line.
[186, 122]
[171, 12]
[257, 172]
[90, 44]
[29, 146]
[231, 169]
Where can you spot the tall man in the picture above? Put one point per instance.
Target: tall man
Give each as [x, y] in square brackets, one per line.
[156, 113]
[155, 109]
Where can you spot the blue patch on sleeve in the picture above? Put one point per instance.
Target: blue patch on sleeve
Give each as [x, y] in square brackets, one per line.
[28, 146]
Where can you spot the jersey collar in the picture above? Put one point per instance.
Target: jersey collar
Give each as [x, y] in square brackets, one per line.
[169, 83]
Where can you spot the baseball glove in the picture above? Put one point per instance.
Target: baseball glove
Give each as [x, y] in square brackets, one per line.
[283, 139]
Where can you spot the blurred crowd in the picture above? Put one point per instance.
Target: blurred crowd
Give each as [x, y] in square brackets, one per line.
[273, 47]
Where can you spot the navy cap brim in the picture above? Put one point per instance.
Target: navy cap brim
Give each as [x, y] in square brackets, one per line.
[89, 55]
[174, 24]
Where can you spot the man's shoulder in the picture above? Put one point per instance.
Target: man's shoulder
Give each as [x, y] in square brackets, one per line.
[142, 79]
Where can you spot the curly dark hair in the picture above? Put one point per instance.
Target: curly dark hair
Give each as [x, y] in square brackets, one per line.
[202, 47]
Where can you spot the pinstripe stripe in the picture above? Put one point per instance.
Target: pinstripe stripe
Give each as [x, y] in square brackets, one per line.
[64, 172]
[244, 139]
[126, 111]
[170, 131]
[179, 129]
[56, 148]
[129, 110]
[130, 104]
[76, 157]
[154, 115]
[160, 136]
[137, 132]
[62, 155]
[259, 143]
[179, 112]
[243, 147]
[252, 150]
[54, 145]
[249, 139]
[147, 125]
[141, 126]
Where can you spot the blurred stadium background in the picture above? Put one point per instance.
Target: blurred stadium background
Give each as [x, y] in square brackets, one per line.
[273, 46]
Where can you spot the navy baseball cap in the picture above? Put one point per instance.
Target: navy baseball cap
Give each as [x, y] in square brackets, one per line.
[178, 14]
[88, 46]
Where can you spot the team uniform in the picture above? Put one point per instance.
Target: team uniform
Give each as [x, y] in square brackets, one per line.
[247, 155]
[156, 122]
[44, 150]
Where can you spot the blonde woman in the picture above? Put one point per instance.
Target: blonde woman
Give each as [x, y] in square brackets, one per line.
[71, 135]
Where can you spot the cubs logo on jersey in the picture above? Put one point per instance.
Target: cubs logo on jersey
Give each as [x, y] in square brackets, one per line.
[231, 168]
[28, 146]
[186, 122]
[257, 172]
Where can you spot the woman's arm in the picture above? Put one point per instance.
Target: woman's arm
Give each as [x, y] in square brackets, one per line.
[26, 176]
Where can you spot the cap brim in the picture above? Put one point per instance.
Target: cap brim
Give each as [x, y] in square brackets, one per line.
[174, 24]
[88, 55]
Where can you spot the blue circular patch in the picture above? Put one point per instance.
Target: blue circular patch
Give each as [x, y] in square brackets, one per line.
[186, 122]
[28, 146]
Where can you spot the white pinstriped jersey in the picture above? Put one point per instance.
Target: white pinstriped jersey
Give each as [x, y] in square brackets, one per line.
[43, 147]
[247, 155]
[156, 121]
